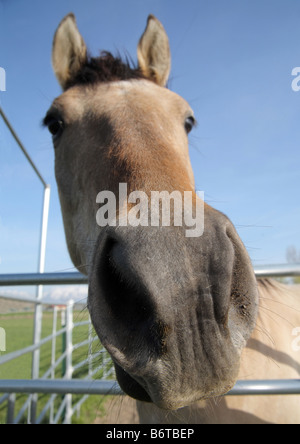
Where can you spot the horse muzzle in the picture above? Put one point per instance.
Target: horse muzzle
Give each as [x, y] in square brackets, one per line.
[173, 312]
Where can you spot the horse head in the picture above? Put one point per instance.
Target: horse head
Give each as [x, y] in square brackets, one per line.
[173, 310]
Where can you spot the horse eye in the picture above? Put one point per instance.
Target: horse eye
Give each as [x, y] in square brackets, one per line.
[189, 124]
[55, 127]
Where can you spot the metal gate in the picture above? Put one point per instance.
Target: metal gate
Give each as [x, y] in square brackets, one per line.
[92, 362]
[47, 383]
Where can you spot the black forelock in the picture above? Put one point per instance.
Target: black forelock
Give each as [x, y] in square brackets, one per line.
[105, 68]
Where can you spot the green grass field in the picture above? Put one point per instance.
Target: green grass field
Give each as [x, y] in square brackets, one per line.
[19, 334]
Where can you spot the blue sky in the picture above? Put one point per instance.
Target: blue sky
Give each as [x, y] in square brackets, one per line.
[231, 60]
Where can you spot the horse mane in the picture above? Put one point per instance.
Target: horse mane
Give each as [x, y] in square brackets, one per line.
[106, 68]
[268, 284]
[269, 287]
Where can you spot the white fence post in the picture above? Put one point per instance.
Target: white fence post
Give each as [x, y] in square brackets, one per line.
[38, 315]
[53, 355]
[69, 366]
[90, 352]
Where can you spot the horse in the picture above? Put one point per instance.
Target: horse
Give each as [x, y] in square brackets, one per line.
[181, 313]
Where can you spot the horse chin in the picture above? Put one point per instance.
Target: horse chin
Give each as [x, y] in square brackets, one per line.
[130, 386]
[135, 390]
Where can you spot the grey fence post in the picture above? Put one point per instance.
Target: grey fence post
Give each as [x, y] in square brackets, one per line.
[11, 408]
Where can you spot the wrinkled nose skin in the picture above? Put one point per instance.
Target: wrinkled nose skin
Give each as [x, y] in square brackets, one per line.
[173, 312]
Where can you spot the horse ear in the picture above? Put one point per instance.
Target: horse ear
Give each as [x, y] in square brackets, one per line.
[154, 52]
[69, 50]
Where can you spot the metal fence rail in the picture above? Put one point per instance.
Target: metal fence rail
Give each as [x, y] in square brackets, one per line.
[261, 271]
[43, 279]
[79, 386]
[277, 271]
[266, 271]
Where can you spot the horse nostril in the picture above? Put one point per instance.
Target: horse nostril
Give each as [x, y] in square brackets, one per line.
[126, 302]
[121, 288]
